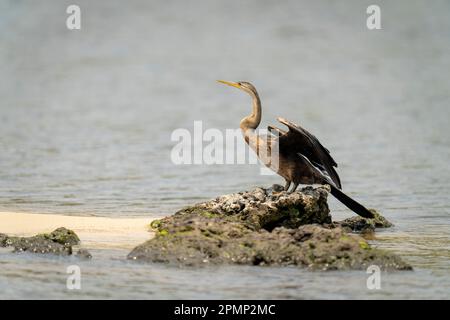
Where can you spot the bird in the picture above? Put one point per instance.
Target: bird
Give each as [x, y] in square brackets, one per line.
[295, 154]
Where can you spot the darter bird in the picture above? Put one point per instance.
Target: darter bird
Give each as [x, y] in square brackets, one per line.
[300, 157]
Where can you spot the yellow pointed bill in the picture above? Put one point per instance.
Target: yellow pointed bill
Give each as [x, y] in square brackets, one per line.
[233, 84]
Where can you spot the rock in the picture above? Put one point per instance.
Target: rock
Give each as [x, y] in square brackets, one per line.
[40, 244]
[58, 242]
[264, 209]
[261, 227]
[277, 188]
[365, 225]
[84, 254]
[63, 236]
[3, 240]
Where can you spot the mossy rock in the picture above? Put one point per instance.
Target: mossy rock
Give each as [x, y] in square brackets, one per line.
[364, 225]
[262, 227]
[58, 242]
[62, 236]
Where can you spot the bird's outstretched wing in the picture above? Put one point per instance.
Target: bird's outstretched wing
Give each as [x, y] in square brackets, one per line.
[298, 140]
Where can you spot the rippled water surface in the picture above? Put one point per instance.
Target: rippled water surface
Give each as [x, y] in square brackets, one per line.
[86, 120]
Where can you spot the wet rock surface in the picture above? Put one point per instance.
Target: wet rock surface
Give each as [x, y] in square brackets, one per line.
[57, 242]
[364, 225]
[83, 254]
[264, 227]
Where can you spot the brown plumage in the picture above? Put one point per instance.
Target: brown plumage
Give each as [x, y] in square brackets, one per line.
[295, 154]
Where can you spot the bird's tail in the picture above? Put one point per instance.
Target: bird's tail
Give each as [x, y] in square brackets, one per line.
[350, 203]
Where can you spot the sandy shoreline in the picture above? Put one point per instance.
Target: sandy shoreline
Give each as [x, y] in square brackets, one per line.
[94, 232]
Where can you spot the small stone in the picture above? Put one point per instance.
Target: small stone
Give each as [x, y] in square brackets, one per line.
[84, 254]
[366, 225]
[277, 188]
[3, 240]
[63, 236]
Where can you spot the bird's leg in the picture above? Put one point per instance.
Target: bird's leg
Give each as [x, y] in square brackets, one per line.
[288, 184]
[294, 187]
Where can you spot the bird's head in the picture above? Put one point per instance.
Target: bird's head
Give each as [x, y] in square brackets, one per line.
[244, 86]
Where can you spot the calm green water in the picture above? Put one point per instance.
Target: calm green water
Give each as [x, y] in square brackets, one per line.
[86, 118]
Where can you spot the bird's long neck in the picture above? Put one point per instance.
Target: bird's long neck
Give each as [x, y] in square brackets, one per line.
[252, 121]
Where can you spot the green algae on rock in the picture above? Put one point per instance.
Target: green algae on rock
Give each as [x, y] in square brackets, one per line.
[363, 225]
[262, 227]
[63, 236]
[57, 242]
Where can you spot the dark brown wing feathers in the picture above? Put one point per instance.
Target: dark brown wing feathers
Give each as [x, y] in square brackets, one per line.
[298, 140]
[275, 129]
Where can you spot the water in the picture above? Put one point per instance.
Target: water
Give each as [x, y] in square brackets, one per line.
[124, 279]
[87, 118]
